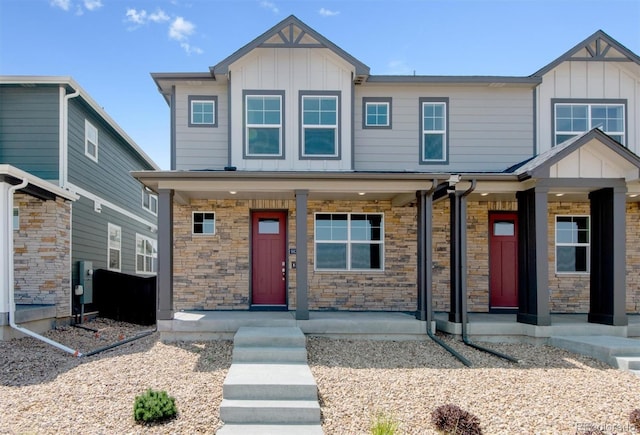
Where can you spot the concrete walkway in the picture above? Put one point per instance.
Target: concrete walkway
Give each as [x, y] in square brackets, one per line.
[269, 388]
[619, 352]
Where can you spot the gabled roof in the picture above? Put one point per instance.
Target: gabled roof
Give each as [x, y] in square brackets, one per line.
[291, 33]
[538, 167]
[597, 47]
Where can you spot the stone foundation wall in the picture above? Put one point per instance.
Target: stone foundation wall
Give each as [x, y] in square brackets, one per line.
[42, 260]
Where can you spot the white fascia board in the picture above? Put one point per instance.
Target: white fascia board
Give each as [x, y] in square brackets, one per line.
[103, 202]
[36, 181]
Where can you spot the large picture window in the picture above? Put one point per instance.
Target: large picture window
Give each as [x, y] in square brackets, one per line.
[349, 241]
[114, 254]
[146, 255]
[572, 244]
[572, 119]
[319, 130]
[433, 128]
[263, 125]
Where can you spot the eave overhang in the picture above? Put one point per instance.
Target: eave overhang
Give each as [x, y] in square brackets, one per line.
[37, 187]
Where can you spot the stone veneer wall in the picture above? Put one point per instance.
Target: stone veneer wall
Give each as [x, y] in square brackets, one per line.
[633, 257]
[213, 272]
[42, 254]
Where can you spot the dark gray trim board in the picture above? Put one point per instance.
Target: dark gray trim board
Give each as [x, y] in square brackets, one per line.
[172, 116]
[302, 291]
[488, 80]
[165, 254]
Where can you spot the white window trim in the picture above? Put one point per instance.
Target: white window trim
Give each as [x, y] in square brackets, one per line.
[349, 243]
[366, 114]
[87, 128]
[320, 126]
[154, 258]
[443, 132]
[193, 215]
[111, 227]
[151, 196]
[587, 245]
[589, 105]
[279, 126]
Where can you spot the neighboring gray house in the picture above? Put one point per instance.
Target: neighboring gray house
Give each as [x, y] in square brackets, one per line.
[300, 181]
[51, 129]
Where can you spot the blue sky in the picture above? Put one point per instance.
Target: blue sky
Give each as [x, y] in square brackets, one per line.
[110, 47]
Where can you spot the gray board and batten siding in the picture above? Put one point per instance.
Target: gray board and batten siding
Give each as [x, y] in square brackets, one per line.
[29, 129]
[490, 128]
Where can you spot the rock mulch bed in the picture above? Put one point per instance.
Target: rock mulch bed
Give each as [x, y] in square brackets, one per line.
[46, 391]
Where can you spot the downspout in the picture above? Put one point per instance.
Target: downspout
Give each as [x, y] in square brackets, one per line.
[12, 304]
[425, 275]
[463, 277]
[64, 137]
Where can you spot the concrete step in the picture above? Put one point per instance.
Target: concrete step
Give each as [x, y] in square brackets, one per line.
[602, 347]
[635, 372]
[272, 354]
[269, 382]
[628, 362]
[269, 336]
[270, 411]
[270, 429]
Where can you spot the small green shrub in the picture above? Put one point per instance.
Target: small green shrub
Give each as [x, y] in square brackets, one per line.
[384, 425]
[154, 406]
[453, 420]
[634, 419]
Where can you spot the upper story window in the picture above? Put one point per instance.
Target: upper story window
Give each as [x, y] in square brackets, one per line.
[264, 124]
[204, 222]
[377, 112]
[202, 111]
[90, 141]
[114, 257]
[574, 118]
[149, 201]
[349, 241]
[320, 130]
[434, 123]
[572, 244]
[146, 255]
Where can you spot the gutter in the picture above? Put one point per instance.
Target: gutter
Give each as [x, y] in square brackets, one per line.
[425, 273]
[12, 304]
[463, 281]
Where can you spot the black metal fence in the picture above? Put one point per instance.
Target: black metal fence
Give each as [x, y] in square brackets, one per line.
[123, 297]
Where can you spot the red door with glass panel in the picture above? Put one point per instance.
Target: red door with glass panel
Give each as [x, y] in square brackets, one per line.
[268, 258]
[503, 260]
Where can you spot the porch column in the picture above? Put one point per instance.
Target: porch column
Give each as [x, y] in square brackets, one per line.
[164, 282]
[302, 292]
[425, 255]
[456, 267]
[533, 258]
[608, 257]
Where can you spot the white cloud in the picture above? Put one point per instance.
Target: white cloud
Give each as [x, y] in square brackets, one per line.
[189, 49]
[328, 13]
[136, 17]
[62, 4]
[269, 5]
[159, 16]
[92, 5]
[180, 29]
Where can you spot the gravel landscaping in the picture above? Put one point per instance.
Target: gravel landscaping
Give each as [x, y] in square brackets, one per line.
[46, 391]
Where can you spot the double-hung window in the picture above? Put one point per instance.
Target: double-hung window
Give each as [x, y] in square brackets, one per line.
[572, 244]
[433, 129]
[90, 141]
[114, 260]
[574, 118]
[320, 125]
[264, 114]
[202, 111]
[149, 201]
[377, 112]
[146, 254]
[349, 241]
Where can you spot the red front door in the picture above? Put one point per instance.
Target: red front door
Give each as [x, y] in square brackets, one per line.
[268, 259]
[503, 260]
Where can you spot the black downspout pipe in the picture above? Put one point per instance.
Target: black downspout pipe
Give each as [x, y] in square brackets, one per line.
[425, 274]
[462, 274]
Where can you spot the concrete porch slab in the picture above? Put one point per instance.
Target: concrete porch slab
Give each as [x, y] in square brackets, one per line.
[601, 347]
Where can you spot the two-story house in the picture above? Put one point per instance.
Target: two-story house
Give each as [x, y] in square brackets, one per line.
[94, 214]
[301, 181]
